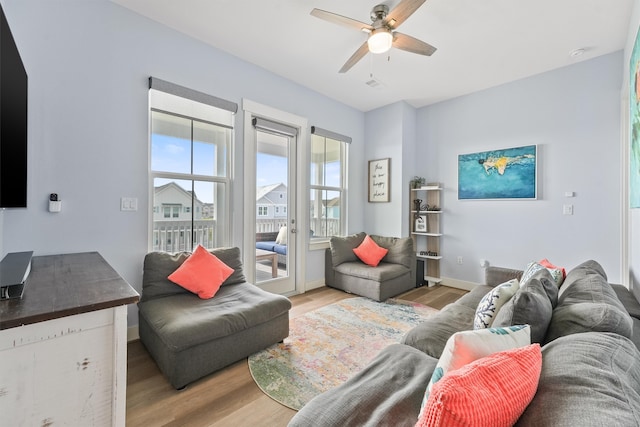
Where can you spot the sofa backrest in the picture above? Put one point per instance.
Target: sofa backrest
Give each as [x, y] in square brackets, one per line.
[587, 302]
[159, 265]
[342, 247]
[400, 250]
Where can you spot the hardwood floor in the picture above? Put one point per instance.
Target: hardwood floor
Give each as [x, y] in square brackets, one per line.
[230, 397]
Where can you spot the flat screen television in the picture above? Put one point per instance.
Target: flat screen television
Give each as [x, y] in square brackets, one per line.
[13, 121]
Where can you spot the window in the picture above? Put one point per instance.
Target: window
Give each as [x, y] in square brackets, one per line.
[328, 183]
[190, 157]
[263, 210]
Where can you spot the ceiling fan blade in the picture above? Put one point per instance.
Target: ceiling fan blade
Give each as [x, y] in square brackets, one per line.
[340, 20]
[357, 56]
[401, 12]
[411, 44]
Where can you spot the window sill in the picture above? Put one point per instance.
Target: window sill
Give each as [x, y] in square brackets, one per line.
[318, 244]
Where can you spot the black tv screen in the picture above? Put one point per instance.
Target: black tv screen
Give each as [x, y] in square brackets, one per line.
[13, 121]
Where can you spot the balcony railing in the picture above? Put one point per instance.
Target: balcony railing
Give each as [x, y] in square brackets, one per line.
[176, 236]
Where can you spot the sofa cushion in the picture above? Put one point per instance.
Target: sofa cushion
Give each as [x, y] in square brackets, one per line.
[472, 299]
[369, 252]
[201, 273]
[587, 302]
[431, 336]
[387, 392]
[587, 379]
[159, 265]
[400, 249]
[530, 305]
[184, 321]
[491, 391]
[382, 272]
[342, 248]
[492, 302]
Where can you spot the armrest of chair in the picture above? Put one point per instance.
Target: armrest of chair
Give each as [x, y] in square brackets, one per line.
[329, 274]
[493, 276]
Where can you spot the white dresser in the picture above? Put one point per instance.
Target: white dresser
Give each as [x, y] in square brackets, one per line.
[63, 346]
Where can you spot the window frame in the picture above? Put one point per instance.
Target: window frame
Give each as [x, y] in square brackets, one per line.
[342, 189]
[225, 180]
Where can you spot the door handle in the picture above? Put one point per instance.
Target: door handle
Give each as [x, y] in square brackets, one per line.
[293, 230]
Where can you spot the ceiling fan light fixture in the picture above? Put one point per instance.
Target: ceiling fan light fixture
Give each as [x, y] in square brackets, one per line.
[380, 41]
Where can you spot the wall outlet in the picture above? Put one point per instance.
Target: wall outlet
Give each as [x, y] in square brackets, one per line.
[128, 204]
[460, 260]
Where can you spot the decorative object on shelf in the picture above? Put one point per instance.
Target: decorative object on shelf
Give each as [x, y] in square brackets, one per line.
[379, 189]
[428, 253]
[499, 174]
[417, 182]
[417, 203]
[420, 223]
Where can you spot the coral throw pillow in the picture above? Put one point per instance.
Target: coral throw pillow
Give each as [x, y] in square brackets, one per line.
[491, 391]
[465, 347]
[369, 252]
[202, 273]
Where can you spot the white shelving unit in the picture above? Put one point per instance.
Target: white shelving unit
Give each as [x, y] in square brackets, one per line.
[425, 229]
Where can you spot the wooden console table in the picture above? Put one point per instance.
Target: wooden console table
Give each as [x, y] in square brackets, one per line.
[63, 346]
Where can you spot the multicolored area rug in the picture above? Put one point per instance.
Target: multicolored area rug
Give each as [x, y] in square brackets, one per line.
[327, 346]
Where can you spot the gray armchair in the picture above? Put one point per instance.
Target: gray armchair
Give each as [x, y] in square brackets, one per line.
[395, 274]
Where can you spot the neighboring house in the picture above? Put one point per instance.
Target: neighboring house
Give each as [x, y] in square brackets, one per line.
[172, 202]
[271, 207]
[332, 208]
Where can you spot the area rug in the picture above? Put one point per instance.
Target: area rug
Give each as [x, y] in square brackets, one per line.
[327, 346]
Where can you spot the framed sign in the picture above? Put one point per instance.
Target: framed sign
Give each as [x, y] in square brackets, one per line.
[379, 190]
[420, 223]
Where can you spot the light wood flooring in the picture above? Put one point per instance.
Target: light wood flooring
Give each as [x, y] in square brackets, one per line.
[230, 397]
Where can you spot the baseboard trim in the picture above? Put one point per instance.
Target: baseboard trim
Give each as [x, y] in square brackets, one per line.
[132, 333]
[313, 285]
[458, 284]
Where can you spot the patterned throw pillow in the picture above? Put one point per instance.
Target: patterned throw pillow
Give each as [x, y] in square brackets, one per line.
[464, 347]
[534, 267]
[369, 252]
[491, 391]
[491, 303]
[558, 273]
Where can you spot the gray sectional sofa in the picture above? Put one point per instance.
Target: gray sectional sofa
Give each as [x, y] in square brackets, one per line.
[189, 337]
[395, 274]
[590, 361]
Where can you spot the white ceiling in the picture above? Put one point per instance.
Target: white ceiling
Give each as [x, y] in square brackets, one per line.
[481, 43]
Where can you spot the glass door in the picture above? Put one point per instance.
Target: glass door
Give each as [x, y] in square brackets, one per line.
[275, 222]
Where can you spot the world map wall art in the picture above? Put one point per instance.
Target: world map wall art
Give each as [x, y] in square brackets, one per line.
[634, 124]
[509, 173]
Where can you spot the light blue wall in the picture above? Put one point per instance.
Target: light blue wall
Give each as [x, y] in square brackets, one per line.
[573, 115]
[390, 132]
[88, 63]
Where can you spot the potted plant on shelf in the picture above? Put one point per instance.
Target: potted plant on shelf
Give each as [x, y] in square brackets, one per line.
[417, 182]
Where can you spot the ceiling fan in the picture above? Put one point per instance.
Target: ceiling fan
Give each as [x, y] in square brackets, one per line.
[382, 34]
